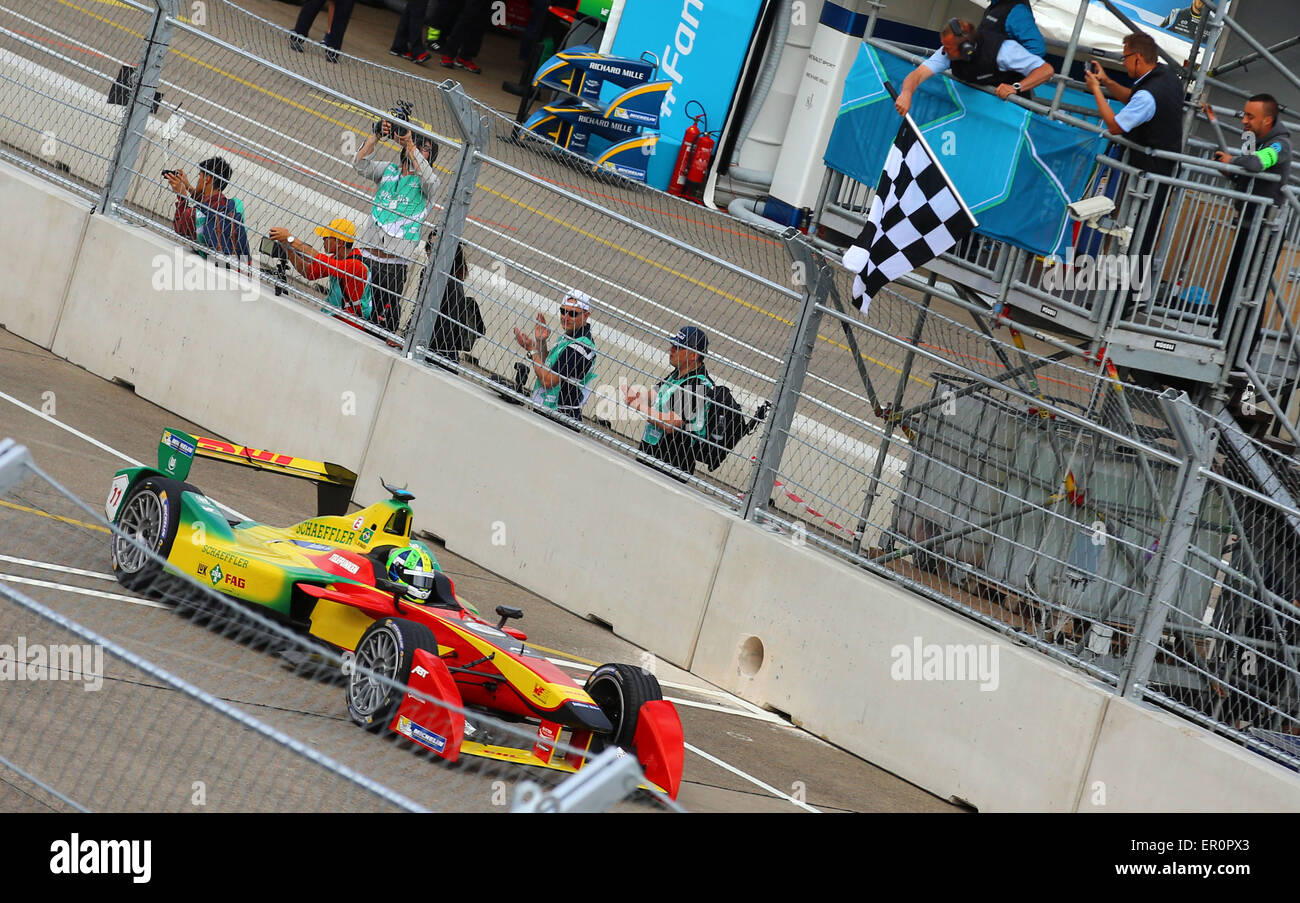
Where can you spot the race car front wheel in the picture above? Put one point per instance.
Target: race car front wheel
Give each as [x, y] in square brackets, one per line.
[620, 691]
[146, 528]
[381, 667]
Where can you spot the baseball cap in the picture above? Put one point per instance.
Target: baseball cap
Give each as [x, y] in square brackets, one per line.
[691, 337]
[338, 228]
[576, 298]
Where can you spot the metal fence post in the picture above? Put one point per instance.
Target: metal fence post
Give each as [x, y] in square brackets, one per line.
[817, 285]
[475, 134]
[148, 75]
[1197, 445]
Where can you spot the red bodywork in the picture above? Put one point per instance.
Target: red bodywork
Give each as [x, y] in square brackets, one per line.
[481, 665]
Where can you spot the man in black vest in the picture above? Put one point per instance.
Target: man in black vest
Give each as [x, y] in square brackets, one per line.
[983, 57]
[1153, 107]
[1014, 19]
[1152, 117]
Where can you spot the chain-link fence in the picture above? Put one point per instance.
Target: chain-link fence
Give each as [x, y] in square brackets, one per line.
[1009, 474]
[169, 696]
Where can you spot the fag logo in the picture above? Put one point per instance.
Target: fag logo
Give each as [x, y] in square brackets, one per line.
[218, 575]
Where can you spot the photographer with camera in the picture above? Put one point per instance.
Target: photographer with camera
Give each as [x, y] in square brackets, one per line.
[390, 239]
[348, 275]
[212, 220]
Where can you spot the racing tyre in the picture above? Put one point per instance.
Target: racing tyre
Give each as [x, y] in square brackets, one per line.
[386, 649]
[149, 519]
[620, 691]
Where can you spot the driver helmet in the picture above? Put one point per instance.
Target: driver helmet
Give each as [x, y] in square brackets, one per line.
[414, 567]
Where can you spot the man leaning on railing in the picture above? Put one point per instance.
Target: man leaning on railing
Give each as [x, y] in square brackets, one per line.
[978, 56]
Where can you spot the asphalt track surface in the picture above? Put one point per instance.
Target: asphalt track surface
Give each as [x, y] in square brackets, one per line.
[739, 758]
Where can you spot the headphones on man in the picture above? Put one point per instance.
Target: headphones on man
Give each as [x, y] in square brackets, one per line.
[968, 43]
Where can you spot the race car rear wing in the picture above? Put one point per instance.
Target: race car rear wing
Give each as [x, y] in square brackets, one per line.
[334, 482]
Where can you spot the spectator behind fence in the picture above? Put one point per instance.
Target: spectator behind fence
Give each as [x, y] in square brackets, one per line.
[1014, 19]
[213, 220]
[340, 12]
[460, 322]
[408, 40]
[349, 286]
[978, 56]
[564, 374]
[676, 411]
[461, 25]
[391, 237]
[1272, 154]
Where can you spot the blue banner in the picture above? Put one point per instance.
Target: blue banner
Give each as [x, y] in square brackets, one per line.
[701, 46]
[1015, 170]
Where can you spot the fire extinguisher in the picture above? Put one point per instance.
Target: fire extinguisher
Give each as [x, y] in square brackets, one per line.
[698, 172]
[686, 153]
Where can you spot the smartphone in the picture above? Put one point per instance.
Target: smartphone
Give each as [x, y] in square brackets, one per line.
[171, 172]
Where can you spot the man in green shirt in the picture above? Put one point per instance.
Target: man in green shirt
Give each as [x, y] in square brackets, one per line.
[677, 409]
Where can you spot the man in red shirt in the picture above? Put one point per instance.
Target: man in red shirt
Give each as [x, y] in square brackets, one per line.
[349, 278]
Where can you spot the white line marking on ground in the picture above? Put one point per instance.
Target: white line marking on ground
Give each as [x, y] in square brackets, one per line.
[10, 578]
[95, 442]
[750, 710]
[45, 565]
[749, 777]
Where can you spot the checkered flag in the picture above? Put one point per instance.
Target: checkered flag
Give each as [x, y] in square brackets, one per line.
[915, 216]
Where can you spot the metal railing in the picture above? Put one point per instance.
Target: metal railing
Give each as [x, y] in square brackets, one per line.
[1005, 473]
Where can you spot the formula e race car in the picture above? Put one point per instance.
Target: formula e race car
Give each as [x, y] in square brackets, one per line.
[360, 584]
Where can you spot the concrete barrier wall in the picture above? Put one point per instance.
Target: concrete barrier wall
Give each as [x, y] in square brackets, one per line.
[834, 648]
[43, 232]
[524, 497]
[779, 624]
[272, 372]
[1149, 760]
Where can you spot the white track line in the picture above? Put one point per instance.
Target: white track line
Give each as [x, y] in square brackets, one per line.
[10, 578]
[44, 565]
[753, 780]
[100, 445]
[750, 710]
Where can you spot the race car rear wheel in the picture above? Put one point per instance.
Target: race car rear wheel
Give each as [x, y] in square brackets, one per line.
[620, 691]
[148, 523]
[385, 650]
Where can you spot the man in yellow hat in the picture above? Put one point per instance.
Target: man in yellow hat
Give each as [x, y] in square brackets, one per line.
[349, 278]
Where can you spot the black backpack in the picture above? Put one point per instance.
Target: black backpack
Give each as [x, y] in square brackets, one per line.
[724, 425]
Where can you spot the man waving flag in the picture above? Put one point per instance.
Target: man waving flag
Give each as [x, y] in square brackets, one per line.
[915, 216]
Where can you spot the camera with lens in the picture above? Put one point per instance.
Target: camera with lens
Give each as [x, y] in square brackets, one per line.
[280, 263]
[400, 112]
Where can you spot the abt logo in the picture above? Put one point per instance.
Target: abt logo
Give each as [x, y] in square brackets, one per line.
[103, 857]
